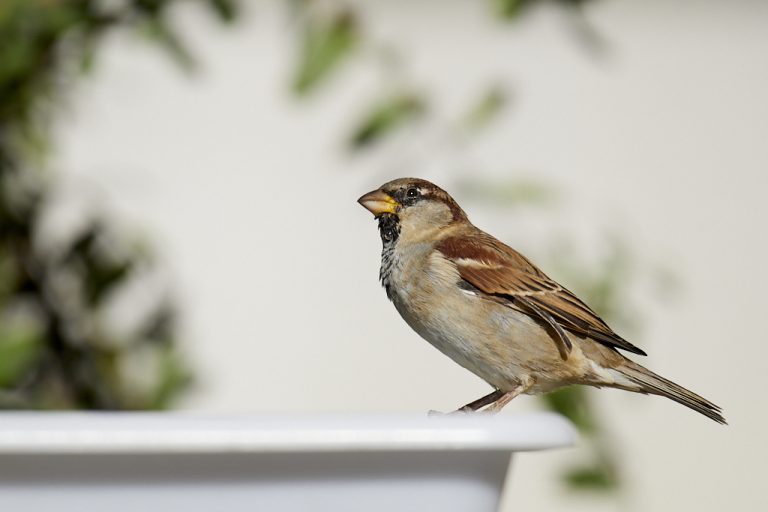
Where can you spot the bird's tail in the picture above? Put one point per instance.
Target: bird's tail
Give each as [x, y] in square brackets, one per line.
[649, 382]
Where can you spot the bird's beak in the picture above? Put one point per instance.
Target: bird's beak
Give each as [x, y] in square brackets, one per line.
[378, 202]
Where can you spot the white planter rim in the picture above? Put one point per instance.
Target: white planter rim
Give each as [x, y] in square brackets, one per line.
[179, 432]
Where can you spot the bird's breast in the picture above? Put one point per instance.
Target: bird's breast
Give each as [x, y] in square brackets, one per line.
[499, 344]
[424, 289]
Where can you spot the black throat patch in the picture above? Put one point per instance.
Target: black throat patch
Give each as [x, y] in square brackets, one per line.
[389, 229]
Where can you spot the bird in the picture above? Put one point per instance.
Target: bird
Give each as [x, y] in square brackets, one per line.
[495, 313]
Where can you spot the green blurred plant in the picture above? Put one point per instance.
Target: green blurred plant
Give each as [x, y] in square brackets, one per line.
[518, 192]
[487, 108]
[384, 116]
[327, 38]
[57, 348]
[332, 31]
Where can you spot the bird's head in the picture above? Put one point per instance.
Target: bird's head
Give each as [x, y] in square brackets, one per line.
[411, 206]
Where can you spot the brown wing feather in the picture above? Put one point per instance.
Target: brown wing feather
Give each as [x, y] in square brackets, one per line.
[500, 271]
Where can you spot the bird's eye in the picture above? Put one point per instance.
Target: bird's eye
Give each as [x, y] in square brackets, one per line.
[412, 192]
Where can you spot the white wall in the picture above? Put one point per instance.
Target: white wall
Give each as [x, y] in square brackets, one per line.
[665, 136]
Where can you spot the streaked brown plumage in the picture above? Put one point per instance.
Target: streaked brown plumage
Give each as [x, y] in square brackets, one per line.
[493, 311]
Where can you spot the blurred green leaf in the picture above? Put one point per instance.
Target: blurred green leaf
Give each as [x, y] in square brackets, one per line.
[667, 283]
[161, 32]
[486, 109]
[83, 244]
[159, 327]
[88, 61]
[508, 192]
[174, 377]
[9, 275]
[509, 9]
[325, 45]
[593, 478]
[20, 348]
[102, 276]
[573, 402]
[226, 9]
[384, 117]
[101, 272]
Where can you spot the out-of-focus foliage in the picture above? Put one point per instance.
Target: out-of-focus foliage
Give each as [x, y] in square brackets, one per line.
[331, 30]
[487, 108]
[327, 38]
[509, 192]
[57, 347]
[384, 116]
[511, 9]
[584, 33]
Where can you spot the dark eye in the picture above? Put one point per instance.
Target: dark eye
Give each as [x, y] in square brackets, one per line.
[412, 192]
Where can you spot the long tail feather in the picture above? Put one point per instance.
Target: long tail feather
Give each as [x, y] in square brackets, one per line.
[652, 383]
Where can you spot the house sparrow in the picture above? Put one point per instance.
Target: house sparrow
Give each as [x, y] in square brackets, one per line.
[491, 310]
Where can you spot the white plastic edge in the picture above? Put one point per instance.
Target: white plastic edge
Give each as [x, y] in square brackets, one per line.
[60, 432]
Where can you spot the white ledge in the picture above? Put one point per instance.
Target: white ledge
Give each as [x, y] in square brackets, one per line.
[64, 432]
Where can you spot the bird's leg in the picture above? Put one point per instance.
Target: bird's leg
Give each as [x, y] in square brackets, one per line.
[499, 404]
[482, 402]
[473, 406]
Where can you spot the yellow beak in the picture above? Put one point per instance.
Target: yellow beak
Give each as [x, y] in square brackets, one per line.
[378, 202]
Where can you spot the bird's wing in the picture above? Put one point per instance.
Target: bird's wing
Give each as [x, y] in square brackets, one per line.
[503, 273]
